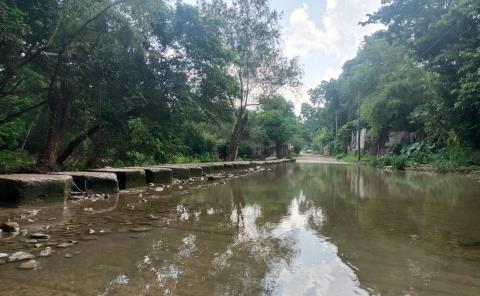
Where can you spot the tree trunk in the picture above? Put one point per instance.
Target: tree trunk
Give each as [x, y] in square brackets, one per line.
[76, 142]
[47, 157]
[236, 137]
[279, 149]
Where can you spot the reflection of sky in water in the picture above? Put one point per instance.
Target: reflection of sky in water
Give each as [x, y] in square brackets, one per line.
[316, 269]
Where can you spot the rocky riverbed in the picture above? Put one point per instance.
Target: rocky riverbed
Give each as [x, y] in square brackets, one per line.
[31, 235]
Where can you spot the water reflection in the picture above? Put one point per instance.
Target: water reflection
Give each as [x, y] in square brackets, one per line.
[305, 229]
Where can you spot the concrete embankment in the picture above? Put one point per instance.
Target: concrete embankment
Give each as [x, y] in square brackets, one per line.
[18, 189]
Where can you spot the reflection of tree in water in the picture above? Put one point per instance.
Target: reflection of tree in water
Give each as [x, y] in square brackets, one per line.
[398, 229]
[238, 205]
[232, 246]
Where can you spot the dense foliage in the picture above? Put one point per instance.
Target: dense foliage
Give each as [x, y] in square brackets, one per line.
[420, 74]
[95, 82]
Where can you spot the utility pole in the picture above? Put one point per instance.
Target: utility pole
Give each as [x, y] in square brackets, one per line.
[358, 131]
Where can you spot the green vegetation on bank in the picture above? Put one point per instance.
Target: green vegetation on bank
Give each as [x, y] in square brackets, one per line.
[88, 83]
[422, 156]
[420, 76]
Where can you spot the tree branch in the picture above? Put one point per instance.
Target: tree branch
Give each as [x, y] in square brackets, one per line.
[11, 117]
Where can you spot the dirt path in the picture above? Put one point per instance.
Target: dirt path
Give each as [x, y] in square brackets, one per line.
[316, 158]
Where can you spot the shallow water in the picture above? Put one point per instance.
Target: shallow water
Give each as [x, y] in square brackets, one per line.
[300, 229]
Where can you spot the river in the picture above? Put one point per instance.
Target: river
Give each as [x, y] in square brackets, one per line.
[297, 229]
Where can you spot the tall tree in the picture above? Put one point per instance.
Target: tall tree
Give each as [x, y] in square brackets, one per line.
[252, 33]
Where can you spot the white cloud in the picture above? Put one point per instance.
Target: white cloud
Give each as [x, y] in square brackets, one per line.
[331, 73]
[339, 34]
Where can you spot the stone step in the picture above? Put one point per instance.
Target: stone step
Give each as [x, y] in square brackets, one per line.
[157, 175]
[127, 178]
[19, 189]
[179, 171]
[98, 182]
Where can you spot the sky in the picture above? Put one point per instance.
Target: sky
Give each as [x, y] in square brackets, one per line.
[323, 34]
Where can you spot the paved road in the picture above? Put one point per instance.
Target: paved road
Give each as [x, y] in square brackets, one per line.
[316, 158]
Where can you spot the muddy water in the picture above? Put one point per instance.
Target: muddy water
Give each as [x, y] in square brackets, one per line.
[303, 229]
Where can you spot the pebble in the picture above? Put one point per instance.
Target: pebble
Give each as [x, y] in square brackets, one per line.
[152, 217]
[68, 255]
[47, 252]
[65, 245]
[10, 227]
[159, 189]
[88, 237]
[19, 256]
[141, 229]
[31, 264]
[3, 255]
[30, 241]
[39, 235]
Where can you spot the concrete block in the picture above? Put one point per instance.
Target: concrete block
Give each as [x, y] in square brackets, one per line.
[94, 181]
[29, 188]
[127, 178]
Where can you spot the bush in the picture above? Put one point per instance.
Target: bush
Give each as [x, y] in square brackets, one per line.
[14, 160]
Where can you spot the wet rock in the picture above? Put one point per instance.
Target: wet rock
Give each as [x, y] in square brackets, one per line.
[65, 245]
[89, 237]
[31, 264]
[38, 245]
[3, 255]
[91, 231]
[19, 256]
[23, 188]
[10, 227]
[68, 255]
[214, 177]
[159, 189]
[39, 235]
[30, 241]
[141, 229]
[46, 253]
[152, 217]
[104, 231]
